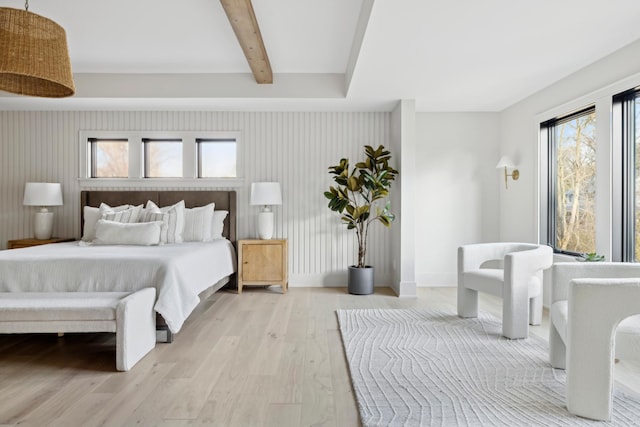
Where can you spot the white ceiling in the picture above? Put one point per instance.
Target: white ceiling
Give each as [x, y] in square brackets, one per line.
[448, 55]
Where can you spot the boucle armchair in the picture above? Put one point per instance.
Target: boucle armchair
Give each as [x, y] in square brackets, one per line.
[517, 280]
[593, 315]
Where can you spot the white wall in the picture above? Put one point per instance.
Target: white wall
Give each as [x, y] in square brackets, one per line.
[292, 148]
[403, 144]
[456, 189]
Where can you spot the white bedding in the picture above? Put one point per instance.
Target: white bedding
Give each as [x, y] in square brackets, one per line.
[179, 272]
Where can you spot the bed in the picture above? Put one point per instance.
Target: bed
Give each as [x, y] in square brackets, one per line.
[179, 271]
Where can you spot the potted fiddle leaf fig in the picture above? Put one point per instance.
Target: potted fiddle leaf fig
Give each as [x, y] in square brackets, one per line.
[360, 196]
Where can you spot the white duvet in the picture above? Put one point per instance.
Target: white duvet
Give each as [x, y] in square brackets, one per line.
[179, 272]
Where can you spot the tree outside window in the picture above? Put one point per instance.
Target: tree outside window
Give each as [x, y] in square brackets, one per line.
[110, 158]
[574, 158]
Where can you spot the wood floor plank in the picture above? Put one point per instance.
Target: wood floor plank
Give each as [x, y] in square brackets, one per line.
[70, 391]
[132, 395]
[345, 406]
[79, 413]
[317, 388]
[283, 415]
[194, 392]
[287, 382]
[151, 411]
[318, 401]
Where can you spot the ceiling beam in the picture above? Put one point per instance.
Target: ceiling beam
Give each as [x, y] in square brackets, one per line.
[244, 24]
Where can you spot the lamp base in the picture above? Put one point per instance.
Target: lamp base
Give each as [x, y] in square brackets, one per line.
[43, 224]
[265, 225]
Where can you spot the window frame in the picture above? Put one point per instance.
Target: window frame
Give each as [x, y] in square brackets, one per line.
[136, 176]
[624, 130]
[548, 140]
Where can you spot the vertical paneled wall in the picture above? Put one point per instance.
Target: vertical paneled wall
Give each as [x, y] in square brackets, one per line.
[292, 148]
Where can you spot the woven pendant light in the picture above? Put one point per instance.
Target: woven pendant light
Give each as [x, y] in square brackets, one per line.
[34, 59]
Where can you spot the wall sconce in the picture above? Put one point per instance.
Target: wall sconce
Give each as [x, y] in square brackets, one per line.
[506, 163]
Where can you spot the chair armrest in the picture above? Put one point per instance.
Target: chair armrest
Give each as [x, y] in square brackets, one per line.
[471, 257]
[528, 263]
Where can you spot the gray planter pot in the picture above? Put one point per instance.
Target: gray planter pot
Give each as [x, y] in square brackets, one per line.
[360, 280]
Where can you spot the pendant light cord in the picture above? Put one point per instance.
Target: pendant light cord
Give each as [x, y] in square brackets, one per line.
[26, 5]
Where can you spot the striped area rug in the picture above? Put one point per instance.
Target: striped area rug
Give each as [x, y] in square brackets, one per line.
[429, 368]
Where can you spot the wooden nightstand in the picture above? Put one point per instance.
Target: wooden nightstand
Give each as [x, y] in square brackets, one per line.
[261, 263]
[25, 243]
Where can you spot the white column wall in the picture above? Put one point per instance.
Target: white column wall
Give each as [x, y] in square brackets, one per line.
[403, 196]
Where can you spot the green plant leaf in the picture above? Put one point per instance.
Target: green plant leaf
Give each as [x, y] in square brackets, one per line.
[352, 184]
[384, 220]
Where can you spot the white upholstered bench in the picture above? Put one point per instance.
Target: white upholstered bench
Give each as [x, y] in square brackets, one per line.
[129, 315]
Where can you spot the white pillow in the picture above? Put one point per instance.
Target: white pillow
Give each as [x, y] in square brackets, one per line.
[217, 226]
[163, 217]
[175, 224]
[128, 215]
[91, 215]
[197, 223]
[124, 233]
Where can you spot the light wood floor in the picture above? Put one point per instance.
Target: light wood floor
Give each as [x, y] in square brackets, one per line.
[256, 359]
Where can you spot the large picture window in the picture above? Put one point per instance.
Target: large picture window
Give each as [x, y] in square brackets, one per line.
[571, 222]
[627, 111]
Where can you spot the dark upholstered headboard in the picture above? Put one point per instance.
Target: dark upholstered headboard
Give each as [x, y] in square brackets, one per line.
[224, 200]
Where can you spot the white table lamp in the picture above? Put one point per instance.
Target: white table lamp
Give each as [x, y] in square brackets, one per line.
[266, 194]
[43, 194]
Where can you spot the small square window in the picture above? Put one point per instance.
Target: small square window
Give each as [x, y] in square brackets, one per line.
[217, 158]
[109, 158]
[162, 158]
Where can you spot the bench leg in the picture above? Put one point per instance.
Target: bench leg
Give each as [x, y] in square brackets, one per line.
[135, 328]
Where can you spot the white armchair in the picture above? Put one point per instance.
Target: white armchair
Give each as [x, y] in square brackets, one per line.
[517, 280]
[594, 309]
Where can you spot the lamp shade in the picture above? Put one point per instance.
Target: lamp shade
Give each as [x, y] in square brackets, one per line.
[42, 194]
[35, 59]
[505, 162]
[266, 193]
